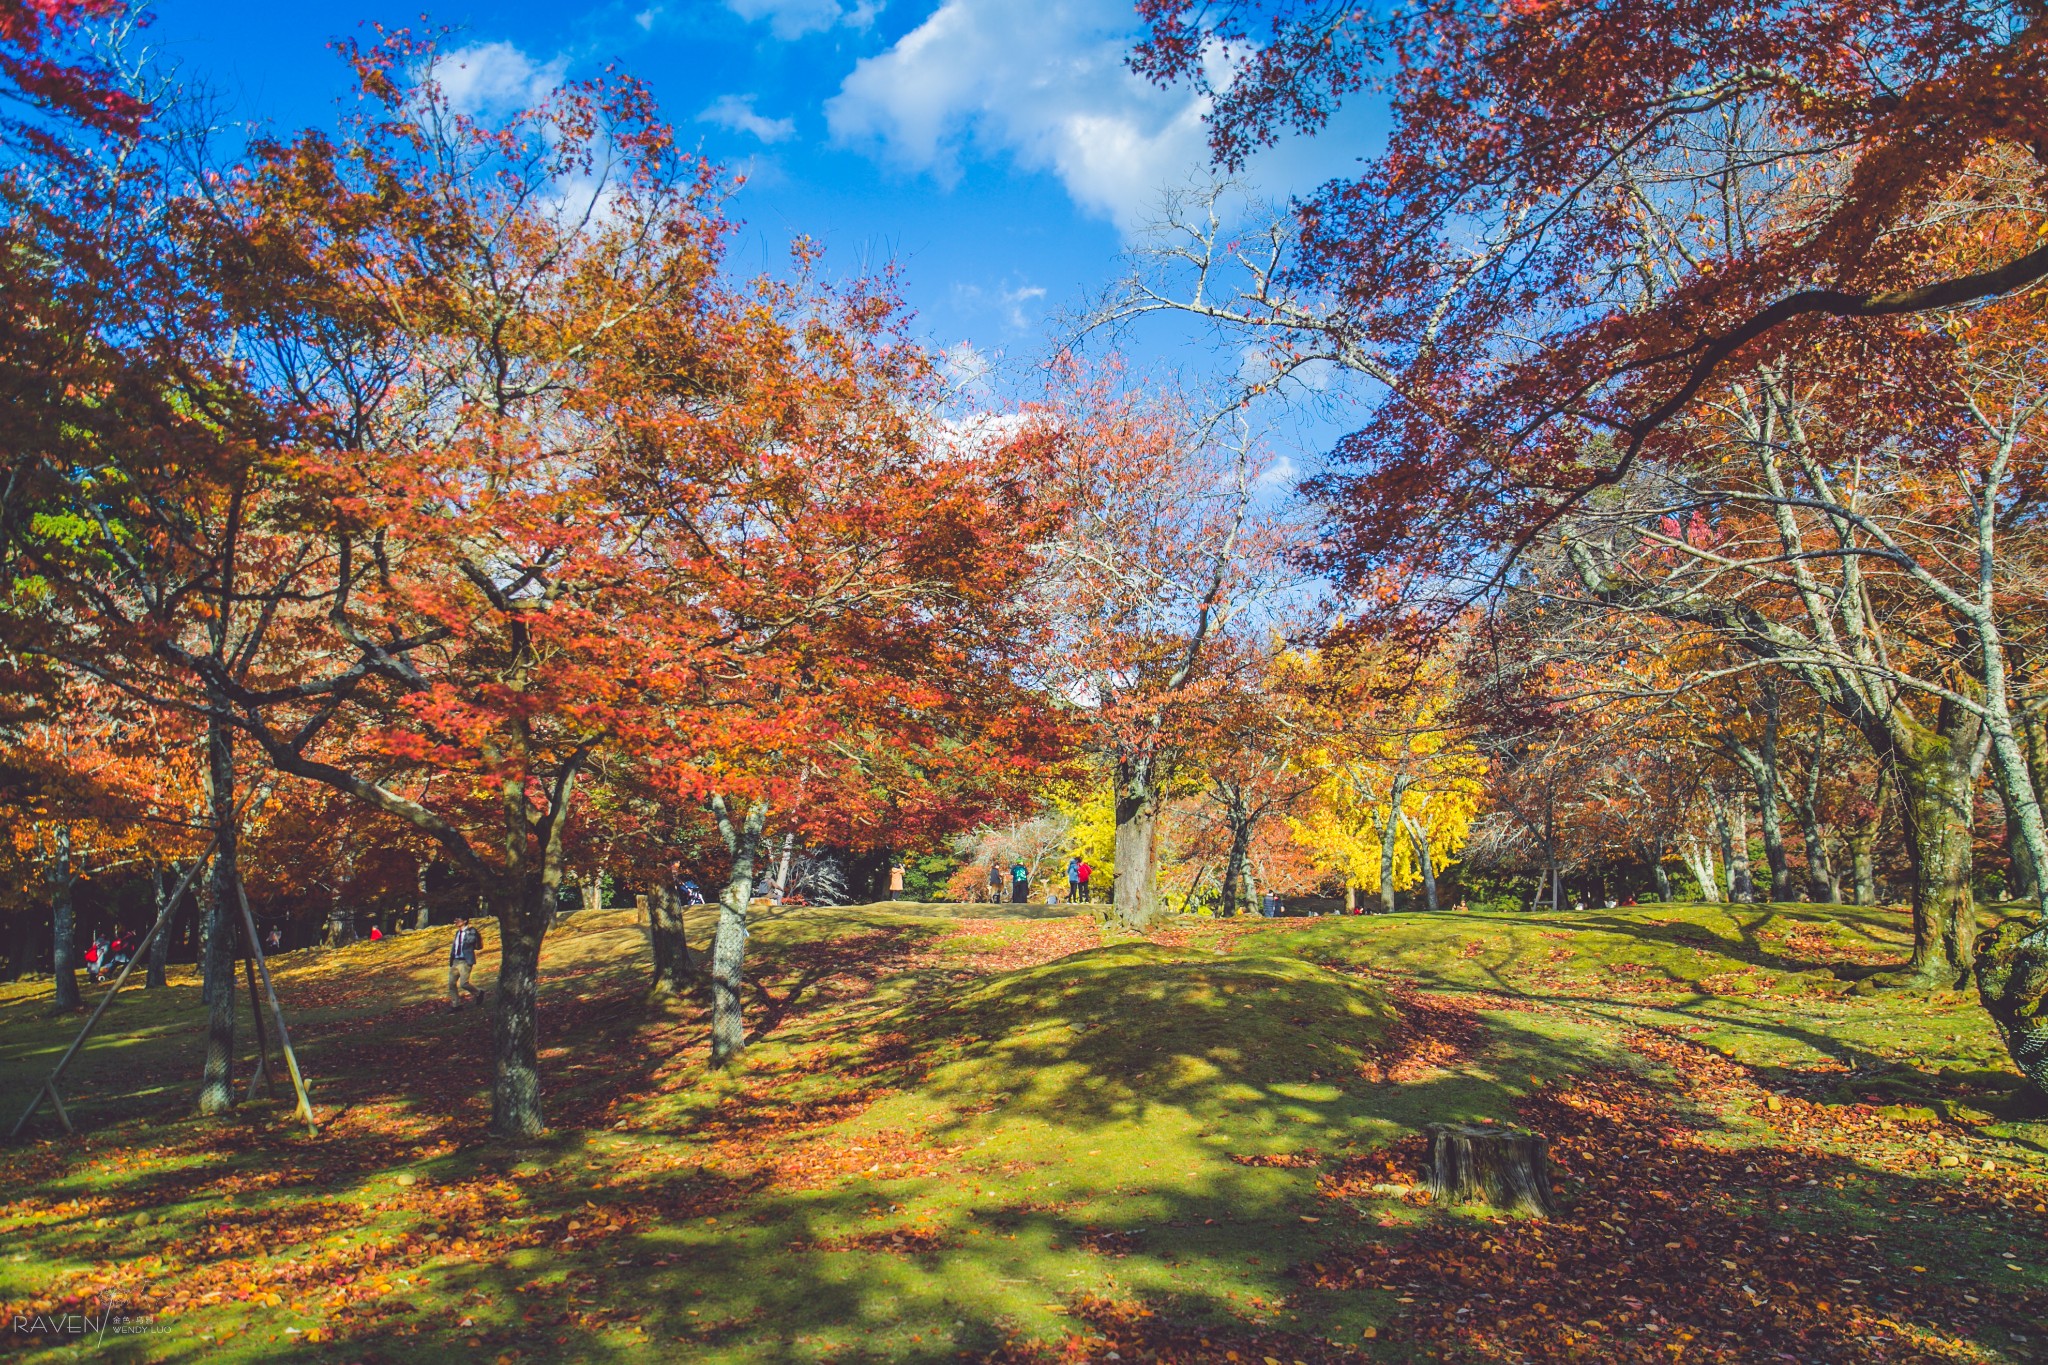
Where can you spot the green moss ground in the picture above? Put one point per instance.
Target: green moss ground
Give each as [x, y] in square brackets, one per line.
[992, 1132]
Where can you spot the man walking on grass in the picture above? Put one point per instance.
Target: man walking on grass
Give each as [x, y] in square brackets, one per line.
[461, 962]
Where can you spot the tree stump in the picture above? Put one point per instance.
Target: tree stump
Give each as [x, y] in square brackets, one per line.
[1503, 1167]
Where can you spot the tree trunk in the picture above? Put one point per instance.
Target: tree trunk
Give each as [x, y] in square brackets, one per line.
[1823, 878]
[63, 924]
[341, 923]
[2033, 730]
[867, 876]
[1742, 883]
[160, 946]
[1773, 830]
[1233, 867]
[22, 952]
[424, 918]
[1760, 765]
[1422, 859]
[217, 1076]
[1731, 823]
[1768, 815]
[1862, 840]
[1507, 1169]
[1936, 800]
[1822, 885]
[782, 866]
[1136, 858]
[1863, 867]
[2012, 983]
[674, 972]
[1651, 851]
[515, 1023]
[729, 945]
[1699, 860]
[1388, 835]
[2025, 882]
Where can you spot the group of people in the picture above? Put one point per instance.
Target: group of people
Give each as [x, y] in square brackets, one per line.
[104, 956]
[1079, 876]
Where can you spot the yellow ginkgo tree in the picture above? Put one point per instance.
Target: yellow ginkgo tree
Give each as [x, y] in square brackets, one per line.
[1397, 783]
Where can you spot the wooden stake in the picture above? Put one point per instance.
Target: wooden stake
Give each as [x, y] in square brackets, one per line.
[57, 1103]
[284, 1037]
[49, 1087]
[261, 1080]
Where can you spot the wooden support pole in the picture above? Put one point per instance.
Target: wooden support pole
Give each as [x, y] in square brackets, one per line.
[49, 1087]
[284, 1037]
[57, 1103]
[261, 1080]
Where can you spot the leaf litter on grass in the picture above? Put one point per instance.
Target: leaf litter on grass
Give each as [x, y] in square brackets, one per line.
[1674, 1244]
[896, 1048]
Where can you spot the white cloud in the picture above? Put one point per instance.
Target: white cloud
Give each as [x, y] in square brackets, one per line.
[496, 78]
[1006, 302]
[794, 18]
[1281, 473]
[1013, 305]
[964, 365]
[737, 113]
[1044, 82]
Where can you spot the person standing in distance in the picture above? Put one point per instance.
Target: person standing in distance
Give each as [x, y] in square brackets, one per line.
[461, 962]
[1020, 883]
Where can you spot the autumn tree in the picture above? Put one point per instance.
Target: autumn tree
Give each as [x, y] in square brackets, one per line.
[1545, 248]
[1587, 226]
[1164, 552]
[504, 475]
[1398, 781]
[89, 792]
[1247, 751]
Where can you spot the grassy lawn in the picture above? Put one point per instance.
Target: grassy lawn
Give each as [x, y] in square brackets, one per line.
[1000, 1134]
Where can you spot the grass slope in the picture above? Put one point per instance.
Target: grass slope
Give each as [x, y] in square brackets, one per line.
[993, 1133]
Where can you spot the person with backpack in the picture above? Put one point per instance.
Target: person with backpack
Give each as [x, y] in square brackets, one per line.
[461, 962]
[1073, 879]
[1020, 883]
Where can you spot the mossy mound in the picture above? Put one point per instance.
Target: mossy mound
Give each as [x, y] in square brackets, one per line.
[1106, 1033]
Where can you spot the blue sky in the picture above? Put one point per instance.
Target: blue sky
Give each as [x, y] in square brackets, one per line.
[996, 152]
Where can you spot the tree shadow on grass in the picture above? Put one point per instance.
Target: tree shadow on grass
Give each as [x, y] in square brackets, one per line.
[1290, 1077]
[927, 1239]
[1662, 1234]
